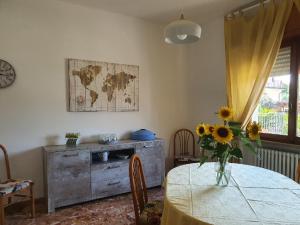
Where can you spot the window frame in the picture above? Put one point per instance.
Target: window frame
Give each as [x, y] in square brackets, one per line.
[291, 137]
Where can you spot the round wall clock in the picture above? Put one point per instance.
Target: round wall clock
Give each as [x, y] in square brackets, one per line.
[7, 74]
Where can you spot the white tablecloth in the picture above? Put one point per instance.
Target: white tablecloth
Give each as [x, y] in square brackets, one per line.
[254, 196]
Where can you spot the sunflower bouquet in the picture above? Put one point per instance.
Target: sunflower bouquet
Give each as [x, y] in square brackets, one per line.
[224, 141]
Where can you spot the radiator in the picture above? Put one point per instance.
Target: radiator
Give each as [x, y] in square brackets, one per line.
[279, 161]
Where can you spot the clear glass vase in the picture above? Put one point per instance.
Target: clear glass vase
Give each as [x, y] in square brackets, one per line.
[223, 172]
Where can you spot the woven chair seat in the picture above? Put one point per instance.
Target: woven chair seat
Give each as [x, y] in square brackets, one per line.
[186, 158]
[152, 213]
[13, 186]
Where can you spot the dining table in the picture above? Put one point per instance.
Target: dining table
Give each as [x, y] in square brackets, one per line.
[254, 196]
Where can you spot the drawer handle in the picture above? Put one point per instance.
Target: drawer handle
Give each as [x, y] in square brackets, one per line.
[148, 146]
[113, 183]
[112, 167]
[71, 155]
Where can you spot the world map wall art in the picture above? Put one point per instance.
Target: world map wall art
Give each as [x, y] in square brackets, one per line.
[101, 86]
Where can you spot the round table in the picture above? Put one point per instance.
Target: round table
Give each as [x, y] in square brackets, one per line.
[254, 196]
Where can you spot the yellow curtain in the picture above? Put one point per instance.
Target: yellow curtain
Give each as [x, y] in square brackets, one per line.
[297, 3]
[251, 45]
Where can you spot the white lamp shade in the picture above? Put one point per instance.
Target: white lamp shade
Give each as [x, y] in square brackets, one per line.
[182, 31]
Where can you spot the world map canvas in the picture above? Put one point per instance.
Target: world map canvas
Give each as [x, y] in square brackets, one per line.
[101, 86]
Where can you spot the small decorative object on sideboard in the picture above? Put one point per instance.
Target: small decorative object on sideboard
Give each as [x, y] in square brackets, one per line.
[108, 139]
[103, 156]
[143, 135]
[72, 139]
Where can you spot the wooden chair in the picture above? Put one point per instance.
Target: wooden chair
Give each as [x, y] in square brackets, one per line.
[297, 176]
[234, 160]
[184, 147]
[13, 188]
[146, 213]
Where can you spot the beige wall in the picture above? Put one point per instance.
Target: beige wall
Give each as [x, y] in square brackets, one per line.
[206, 74]
[37, 36]
[179, 86]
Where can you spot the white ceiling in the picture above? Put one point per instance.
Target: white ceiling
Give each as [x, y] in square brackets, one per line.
[163, 11]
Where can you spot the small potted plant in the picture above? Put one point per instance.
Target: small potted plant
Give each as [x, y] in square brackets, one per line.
[72, 139]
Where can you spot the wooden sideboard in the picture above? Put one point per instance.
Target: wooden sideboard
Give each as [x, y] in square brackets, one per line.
[76, 174]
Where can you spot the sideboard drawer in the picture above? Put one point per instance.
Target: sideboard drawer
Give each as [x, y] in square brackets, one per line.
[69, 164]
[105, 171]
[110, 178]
[69, 159]
[109, 187]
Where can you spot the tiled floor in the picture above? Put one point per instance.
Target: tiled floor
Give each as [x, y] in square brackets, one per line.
[110, 211]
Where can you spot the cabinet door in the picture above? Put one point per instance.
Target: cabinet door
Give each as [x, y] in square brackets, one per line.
[69, 179]
[152, 157]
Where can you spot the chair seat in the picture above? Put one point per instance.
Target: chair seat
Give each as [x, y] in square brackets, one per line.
[13, 186]
[186, 158]
[152, 213]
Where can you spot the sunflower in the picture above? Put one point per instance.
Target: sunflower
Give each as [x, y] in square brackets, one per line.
[253, 130]
[225, 113]
[209, 129]
[222, 134]
[200, 129]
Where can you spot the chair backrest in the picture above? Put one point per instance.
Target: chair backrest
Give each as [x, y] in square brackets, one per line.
[184, 143]
[297, 177]
[234, 160]
[6, 161]
[138, 186]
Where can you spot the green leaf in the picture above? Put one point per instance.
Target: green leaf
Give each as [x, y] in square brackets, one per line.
[248, 144]
[203, 159]
[199, 140]
[213, 156]
[207, 143]
[258, 142]
[222, 147]
[236, 130]
[236, 152]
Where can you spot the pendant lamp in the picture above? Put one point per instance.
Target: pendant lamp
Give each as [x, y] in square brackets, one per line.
[182, 31]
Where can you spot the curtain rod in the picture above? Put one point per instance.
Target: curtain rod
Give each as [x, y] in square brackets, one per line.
[246, 7]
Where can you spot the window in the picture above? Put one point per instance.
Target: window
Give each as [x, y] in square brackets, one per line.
[278, 110]
[272, 110]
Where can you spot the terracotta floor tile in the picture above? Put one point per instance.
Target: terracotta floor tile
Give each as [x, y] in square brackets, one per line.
[110, 211]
